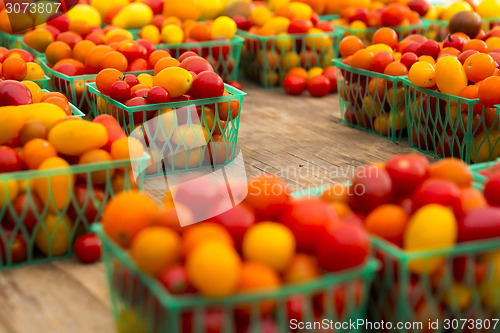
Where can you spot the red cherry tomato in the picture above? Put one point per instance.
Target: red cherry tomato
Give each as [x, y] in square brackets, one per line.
[120, 91]
[319, 86]
[88, 248]
[294, 85]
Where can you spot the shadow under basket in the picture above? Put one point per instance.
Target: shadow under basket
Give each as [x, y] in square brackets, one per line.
[442, 125]
[179, 136]
[140, 304]
[372, 102]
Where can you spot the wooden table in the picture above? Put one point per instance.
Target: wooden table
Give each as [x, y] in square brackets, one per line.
[301, 139]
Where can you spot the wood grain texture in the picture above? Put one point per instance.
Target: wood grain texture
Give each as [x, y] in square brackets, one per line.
[298, 138]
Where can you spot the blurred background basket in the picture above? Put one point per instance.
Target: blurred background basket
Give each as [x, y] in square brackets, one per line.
[180, 136]
[141, 304]
[267, 59]
[223, 55]
[371, 101]
[442, 125]
[10, 41]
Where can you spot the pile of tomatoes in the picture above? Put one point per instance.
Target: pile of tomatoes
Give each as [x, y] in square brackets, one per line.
[265, 242]
[40, 211]
[287, 45]
[393, 15]
[318, 81]
[19, 65]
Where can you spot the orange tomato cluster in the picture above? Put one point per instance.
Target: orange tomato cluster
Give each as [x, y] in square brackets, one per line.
[458, 66]
[19, 65]
[85, 50]
[378, 15]
[267, 240]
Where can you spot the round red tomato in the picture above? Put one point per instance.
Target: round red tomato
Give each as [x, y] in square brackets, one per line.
[319, 86]
[308, 218]
[88, 248]
[380, 61]
[294, 85]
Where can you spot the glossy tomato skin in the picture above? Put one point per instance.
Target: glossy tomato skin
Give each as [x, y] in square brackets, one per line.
[492, 190]
[408, 59]
[9, 160]
[308, 218]
[370, 188]
[87, 248]
[437, 191]
[131, 79]
[319, 86]
[380, 61]
[120, 91]
[407, 172]
[207, 85]
[480, 223]
[348, 243]
[14, 93]
[294, 85]
[158, 95]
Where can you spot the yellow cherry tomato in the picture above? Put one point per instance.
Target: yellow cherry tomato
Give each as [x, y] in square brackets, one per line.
[428, 59]
[450, 75]
[422, 74]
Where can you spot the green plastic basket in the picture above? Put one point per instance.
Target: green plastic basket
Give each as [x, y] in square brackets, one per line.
[10, 41]
[140, 304]
[71, 216]
[371, 101]
[463, 287]
[400, 296]
[180, 136]
[223, 55]
[39, 56]
[73, 87]
[442, 125]
[267, 59]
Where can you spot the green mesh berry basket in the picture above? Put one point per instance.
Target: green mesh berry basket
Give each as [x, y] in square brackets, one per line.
[371, 101]
[442, 125]
[73, 87]
[223, 55]
[39, 56]
[478, 170]
[10, 41]
[180, 136]
[267, 59]
[44, 211]
[140, 304]
[458, 287]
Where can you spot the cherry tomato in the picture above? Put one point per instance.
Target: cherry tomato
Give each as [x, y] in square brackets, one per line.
[294, 85]
[380, 61]
[479, 66]
[158, 95]
[319, 86]
[132, 80]
[120, 91]
[88, 248]
[422, 74]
